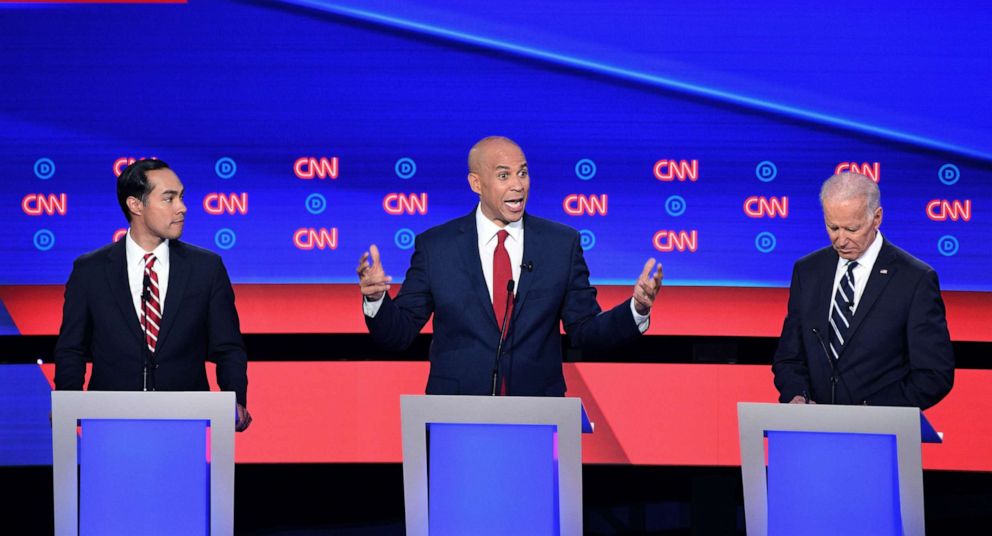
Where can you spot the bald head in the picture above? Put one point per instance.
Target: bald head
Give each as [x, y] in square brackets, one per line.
[497, 171]
[477, 154]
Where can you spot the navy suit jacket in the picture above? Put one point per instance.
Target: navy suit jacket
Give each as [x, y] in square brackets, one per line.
[200, 321]
[445, 279]
[898, 351]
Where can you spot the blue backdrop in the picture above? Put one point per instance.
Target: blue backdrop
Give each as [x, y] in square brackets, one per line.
[753, 103]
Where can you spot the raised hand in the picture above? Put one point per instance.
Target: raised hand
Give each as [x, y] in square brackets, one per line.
[372, 279]
[647, 287]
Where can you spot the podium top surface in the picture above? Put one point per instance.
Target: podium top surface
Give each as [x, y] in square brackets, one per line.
[499, 409]
[836, 418]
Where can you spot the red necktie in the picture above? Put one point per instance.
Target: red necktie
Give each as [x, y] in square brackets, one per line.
[151, 311]
[501, 274]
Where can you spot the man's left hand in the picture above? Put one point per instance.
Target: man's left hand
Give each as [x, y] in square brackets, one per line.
[647, 287]
[244, 419]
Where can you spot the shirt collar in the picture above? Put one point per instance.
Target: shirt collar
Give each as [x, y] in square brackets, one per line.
[487, 229]
[136, 254]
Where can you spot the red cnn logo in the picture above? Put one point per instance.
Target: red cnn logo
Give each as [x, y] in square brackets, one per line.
[118, 234]
[216, 204]
[308, 167]
[397, 204]
[671, 241]
[669, 170]
[761, 207]
[871, 170]
[308, 238]
[580, 204]
[124, 162]
[943, 210]
[38, 204]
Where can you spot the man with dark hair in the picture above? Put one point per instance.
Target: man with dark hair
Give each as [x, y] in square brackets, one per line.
[149, 310]
[499, 270]
[133, 182]
[866, 321]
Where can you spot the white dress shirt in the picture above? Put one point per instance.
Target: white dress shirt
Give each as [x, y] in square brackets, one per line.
[866, 262]
[488, 238]
[487, 231]
[136, 270]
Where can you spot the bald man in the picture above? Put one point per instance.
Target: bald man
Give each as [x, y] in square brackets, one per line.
[866, 320]
[499, 270]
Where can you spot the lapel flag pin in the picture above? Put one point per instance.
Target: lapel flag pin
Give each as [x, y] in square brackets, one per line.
[883, 271]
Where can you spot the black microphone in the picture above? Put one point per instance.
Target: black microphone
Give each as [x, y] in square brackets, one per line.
[502, 333]
[146, 294]
[146, 288]
[529, 266]
[833, 366]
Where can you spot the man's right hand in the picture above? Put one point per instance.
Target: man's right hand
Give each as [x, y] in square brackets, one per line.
[371, 277]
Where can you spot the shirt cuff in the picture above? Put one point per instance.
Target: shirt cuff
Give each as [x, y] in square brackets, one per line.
[642, 321]
[370, 308]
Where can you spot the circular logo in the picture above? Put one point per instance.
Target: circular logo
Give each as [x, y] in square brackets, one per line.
[225, 239]
[44, 168]
[225, 167]
[675, 205]
[766, 171]
[585, 169]
[587, 240]
[404, 238]
[948, 174]
[316, 203]
[765, 242]
[405, 168]
[44, 240]
[947, 245]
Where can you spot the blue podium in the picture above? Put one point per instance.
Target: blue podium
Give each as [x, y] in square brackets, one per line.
[832, 469]
[143, 462]
[485, 465]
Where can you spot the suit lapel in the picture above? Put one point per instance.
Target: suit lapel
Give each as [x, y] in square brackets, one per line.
[179, 270]
[878, 279]
[120, 289]
[824, 286]
[472, 265]
[532, 237]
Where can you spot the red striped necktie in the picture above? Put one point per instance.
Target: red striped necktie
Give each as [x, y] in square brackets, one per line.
[151, 309]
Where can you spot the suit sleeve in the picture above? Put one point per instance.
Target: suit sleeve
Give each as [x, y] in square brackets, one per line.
[225, 346]
[587, 326]
[929, 353]
[789, 364]
[73, 345]
[398, 321]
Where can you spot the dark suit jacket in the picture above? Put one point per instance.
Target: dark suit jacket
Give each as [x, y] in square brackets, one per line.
[445, 278]
[898, 351]
[99, 323]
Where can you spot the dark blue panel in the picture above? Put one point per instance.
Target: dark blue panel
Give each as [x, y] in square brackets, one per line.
[25, 403]
[828, 483]
[143, 477]
[492, 479]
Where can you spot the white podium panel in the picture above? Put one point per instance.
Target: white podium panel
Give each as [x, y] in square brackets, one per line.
[125, 450]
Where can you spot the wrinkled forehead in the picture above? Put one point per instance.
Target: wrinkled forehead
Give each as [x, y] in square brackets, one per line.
[850, 209]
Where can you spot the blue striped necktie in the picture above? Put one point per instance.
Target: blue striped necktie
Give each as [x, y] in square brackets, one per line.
[842, 311]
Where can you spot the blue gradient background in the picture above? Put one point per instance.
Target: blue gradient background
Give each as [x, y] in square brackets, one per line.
[623, 84]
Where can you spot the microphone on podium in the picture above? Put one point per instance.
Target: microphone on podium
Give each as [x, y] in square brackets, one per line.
[502, 334]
